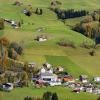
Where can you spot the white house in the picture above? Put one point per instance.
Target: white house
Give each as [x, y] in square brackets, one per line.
[89, 90]
[47, 65]
[96, 91]
[48, 77]
[7, 87]
[84, 78]
[46, 73]
[59, 69]
[42, 39]
[97, 79]
[43, 70]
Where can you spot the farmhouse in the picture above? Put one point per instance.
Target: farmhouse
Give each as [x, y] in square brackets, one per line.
[46, 73]
[7, 87]
[59, 69]
[66, 78]
[96, 91]
[89, 90]
[48, 77]
[47, 65]
[27, 12]
[83, 78]
[12, 23]
[41, 38]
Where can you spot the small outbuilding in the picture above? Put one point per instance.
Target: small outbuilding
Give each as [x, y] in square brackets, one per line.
[97, 79]
[83, 78]
[41, 38]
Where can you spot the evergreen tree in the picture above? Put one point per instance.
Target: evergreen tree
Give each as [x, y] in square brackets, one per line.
[98, 98]
[54, 96]
[47, 96]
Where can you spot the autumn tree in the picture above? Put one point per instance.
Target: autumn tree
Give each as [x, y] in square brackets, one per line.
[86, 28]
[96, 17]
[88, 18]
[4, 52]
[24, 78]
[4, 41]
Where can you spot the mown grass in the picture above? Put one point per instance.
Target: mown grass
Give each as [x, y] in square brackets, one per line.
[76, 61]
[72, 68]
[1, 33]
[63, 93]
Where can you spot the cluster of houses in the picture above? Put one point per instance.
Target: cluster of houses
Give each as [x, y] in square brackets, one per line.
[56, 76]
[49, 76]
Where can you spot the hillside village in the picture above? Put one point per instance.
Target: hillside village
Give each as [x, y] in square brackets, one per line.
[49, 50]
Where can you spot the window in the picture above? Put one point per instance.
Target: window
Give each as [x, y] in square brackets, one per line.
[47, 79]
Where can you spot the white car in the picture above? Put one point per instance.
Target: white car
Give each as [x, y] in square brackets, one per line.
[7, 87]
[55, 83]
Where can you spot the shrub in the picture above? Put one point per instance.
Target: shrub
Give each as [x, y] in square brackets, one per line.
[12, 54]
[92, 53]
[58, 2]
[28, 98]
[88, 18]
[47, 96]
[96, 17]
[66, 43]
[16, 47]
[98, 98]
[32, 98]
[88, 44]
[54, 96]
[39, 11]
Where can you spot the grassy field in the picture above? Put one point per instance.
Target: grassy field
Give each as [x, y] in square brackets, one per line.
[69, 66]
[63, 94]
[76, 61]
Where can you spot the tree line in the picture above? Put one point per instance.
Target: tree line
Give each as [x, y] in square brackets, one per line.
[70, 13]
[46, 96]
[9, 50]
[90, 26]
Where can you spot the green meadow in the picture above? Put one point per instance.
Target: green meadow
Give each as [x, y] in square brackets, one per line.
[75, 60]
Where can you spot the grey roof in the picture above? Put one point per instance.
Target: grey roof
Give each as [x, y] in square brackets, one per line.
[46, 74]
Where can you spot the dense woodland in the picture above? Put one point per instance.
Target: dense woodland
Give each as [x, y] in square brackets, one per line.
[71, 13]
[87, 27]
